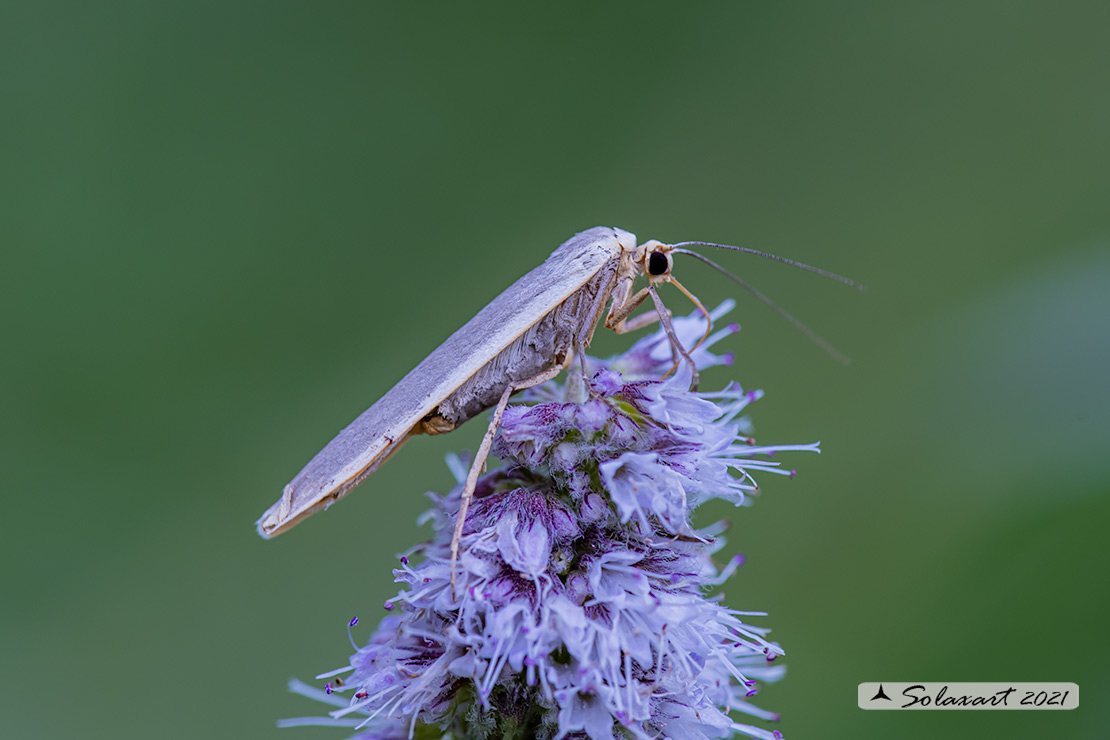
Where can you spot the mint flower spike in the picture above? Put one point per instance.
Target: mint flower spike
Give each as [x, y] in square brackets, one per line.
[581, 609]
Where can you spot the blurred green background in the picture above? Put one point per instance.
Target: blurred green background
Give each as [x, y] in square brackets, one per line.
[228, 228]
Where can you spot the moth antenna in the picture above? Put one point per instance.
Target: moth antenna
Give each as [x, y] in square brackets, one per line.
[813, 336]
[776, 258]
[708, 318]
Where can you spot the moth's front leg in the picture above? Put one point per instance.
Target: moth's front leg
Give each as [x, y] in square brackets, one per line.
[639, 322]
[677, 349]
[617, 320]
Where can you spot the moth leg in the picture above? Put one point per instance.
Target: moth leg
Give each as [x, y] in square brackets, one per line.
[618, 315]
[676, 346]
[704, 312]
[639, 322]
[576, 393]
[618, 321]
[582, 367]
[479, 462]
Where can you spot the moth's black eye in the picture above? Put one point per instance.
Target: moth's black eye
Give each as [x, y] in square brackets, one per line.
[657, 263]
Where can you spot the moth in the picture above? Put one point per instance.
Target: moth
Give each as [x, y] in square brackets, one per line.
[525, 336]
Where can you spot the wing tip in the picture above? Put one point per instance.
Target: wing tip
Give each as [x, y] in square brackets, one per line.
[268, 525]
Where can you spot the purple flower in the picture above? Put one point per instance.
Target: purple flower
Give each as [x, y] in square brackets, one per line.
[580, 608]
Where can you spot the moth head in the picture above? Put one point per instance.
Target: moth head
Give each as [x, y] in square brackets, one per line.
[655, 261]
